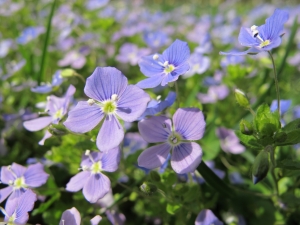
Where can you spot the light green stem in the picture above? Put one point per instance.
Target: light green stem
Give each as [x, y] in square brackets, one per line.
[276, 82]
[273, 166]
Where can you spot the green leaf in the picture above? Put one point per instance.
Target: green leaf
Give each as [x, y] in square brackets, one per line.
[293, 125]
[266, 122]
[249, 141]
[171, 209]
[289, 164]
[293, 138]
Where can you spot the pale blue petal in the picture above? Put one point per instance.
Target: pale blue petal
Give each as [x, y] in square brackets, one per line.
[246, 38]
[35, 175]
[77, 182]
[38, 123]
[70, 217]
[111, 159]
[206, 217]
[96, 187]
[151, 82]
[177, 53]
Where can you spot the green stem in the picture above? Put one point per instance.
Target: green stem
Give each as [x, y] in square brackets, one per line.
[177, 94]
[273, 166]
[80, 77]
[276, 82]
[46, 43]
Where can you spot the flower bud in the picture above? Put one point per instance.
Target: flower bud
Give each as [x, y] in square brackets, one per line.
[57, 130]
[67, 73]
[148, 188]
[260, 167]
[242, 99]
[246, 127]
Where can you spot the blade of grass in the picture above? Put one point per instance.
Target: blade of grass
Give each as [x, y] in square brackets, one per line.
[46, 43]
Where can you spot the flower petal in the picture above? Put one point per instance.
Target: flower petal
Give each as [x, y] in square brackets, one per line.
[84, 117]
[70, 217]
[155, 129]
[132, 103]
[177, 53]
[150, 67]
[4, 192]
[186, 157]
[250, 51]
[77, 182]
[46, 136]
[96, 187]
[18, 169]
[111, 159]
[6, 175]
[110, 135]
[104, 82]
[151, 82]
[189, 123]
[154, 156]
[206, 217]
[38, 123]
[246, 38]
[35, 175]
[96, 220]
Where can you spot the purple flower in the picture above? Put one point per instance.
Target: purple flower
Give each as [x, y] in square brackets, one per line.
[284, 106]
[165, 68]
[16, 210]
[56, 108]
[29, 34]
[188, 125]
[20, 179]
[214, 94]
[229, 141]
[155, 39]
[198, 64]
[132, 143]
[5, 46]
[95, 4]
[264, 37]
[110, 98]
[207, 217]
[91, 180]
[155, 107]
[72, 217]
[57, 80]
[130, 53]
[75, 59]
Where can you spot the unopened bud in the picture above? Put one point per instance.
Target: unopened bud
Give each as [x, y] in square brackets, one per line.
[67, 73]
[57, 130]
[242, 99]
[260, 167]
[148, 188]
[246, 127]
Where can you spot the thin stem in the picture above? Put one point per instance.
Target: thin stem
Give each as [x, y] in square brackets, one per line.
[273, 163]
[252, 112]
[177, 94]
[80, 77]
[276, 82]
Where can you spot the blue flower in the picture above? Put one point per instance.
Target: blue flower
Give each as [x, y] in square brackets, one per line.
[264, 37]
[57, 80]
[166, 67]
[29, 34]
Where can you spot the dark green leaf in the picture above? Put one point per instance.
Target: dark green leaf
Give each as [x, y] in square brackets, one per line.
[293, 138]
[289, 164]
[293, 125]
[249, 141]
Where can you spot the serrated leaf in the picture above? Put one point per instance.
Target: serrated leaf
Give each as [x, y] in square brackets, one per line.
[293, 138]
[249, 141]
[293, 125]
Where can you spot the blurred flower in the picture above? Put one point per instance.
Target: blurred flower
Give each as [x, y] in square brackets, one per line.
[155, 107]
[110, 98]
[236, 178]
[188, 125]
[12, 68]
[214, 94]
[72, 217]
[75, 59]
[8, 7]
[198, 64]
[264, 37]
[56, 108]
[91, 180]
[230, 143]
[232, 60]
[20, 179]
[284, 106]
[165, 68]
[130, 53]
[29, 34]
[155, 39]
[207, 217]
[132, 143]
[16, 210]
[57, 80]
[95, 4]
[5, 45]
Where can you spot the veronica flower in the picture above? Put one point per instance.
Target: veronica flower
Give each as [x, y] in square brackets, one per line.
[74, 59]
[56, 108]
[214, 94]
[16, 210]
[166, 67]
[57, 80]
[207, 217]
[91, 180]
[130, 53]
[72, 217]
[132, 143]
[155, 106]
[264, 37]
[155, 39]
[5, 46]
[110, 98]
[95, 4]
[284, 106]
[229, 141]
[198, 64]
[188, 125]
[12, 68]
[29, 34]
[20, 179]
